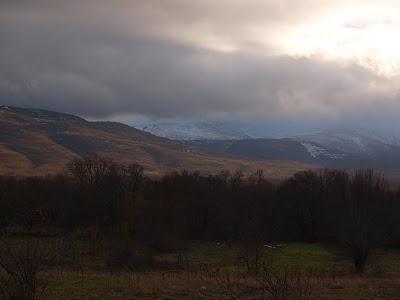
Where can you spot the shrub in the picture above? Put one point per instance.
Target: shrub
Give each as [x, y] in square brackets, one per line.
[284, 284]
[21, 266]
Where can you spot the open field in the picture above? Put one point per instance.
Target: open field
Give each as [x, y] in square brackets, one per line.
[212, 271]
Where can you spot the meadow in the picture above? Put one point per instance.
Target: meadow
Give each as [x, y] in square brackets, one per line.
[77, 269]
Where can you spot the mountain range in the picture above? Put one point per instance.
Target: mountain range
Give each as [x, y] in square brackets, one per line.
[37, 142]
[343, 148]
[337, 147]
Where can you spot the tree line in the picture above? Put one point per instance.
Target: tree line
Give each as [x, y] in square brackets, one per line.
[356, 210]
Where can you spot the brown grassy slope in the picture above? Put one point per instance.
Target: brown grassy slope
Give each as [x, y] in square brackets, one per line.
[33, 143]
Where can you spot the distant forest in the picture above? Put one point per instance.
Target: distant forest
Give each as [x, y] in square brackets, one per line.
[111, 201]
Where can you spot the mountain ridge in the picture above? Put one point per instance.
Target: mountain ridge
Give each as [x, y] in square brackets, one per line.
[37, 142]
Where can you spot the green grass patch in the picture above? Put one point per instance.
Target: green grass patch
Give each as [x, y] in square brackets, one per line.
[313, 256]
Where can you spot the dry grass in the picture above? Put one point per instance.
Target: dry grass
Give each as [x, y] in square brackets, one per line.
[188, 285]
[211, 272]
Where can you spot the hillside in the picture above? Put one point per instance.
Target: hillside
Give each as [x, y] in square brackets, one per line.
[335, 148]
[34, 142]
[261, 149]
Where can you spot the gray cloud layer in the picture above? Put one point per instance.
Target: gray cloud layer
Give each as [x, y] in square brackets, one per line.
[162, 58]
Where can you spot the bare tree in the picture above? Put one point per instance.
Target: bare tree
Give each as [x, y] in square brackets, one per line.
[20, 266]
[366, 195]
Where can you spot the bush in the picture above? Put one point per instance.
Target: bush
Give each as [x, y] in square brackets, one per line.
[20, 266]
[284, 284]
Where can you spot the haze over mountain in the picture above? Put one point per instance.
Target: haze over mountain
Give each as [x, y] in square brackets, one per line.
[340, 147]
[230, 128]
[194, 129]
[325, 145]
[345, 152]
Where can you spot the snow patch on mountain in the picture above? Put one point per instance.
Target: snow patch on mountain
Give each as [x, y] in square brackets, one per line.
[316, 151]
[193, 130]
[340, 143]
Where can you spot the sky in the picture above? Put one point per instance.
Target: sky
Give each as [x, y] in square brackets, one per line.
[307, 60]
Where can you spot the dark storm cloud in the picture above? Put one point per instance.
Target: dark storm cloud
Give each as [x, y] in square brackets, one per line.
[90, 60]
